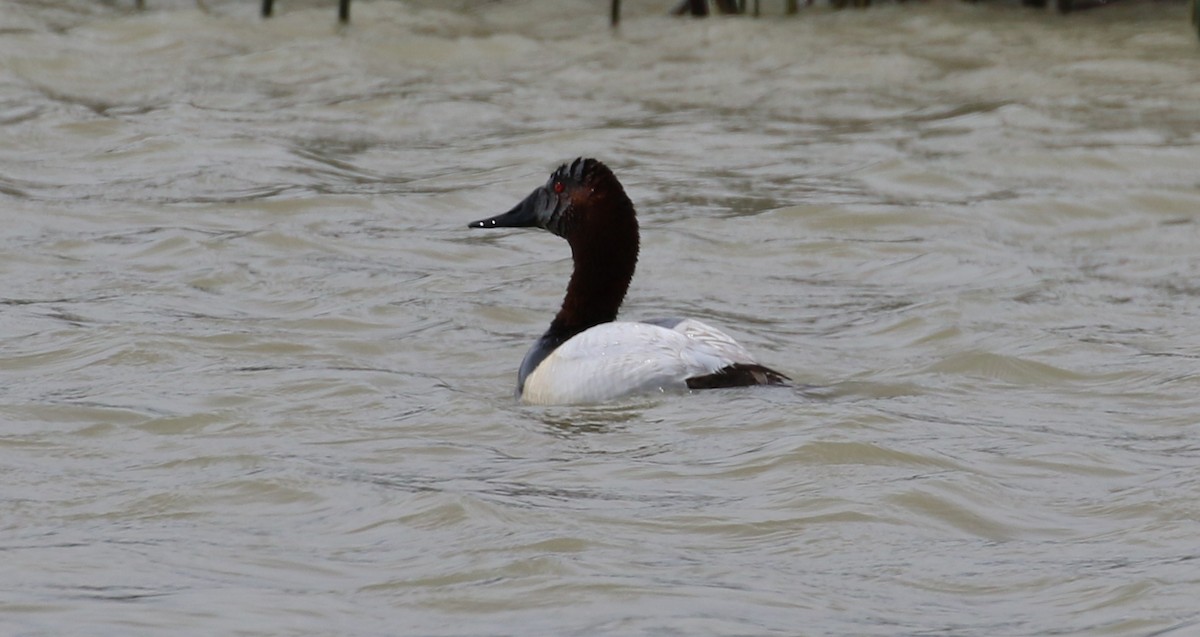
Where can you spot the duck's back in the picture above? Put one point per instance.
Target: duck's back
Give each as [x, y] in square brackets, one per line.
[618, 359]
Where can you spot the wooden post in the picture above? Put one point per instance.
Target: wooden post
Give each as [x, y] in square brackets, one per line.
[266, 8]
[698, 8]
[344, 11]
[1196, 15]
[615, 16]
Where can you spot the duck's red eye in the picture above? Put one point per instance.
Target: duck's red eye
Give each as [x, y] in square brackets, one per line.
[558, 187]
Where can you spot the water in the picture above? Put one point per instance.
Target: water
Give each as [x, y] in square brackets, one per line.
[257, 373]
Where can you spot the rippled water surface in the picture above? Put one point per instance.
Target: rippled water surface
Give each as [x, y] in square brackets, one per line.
[257, 374]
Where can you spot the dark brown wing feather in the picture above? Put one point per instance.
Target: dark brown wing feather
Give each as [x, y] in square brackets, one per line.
[738, 375]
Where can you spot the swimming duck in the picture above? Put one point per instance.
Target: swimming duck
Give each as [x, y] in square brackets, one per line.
[587, 356]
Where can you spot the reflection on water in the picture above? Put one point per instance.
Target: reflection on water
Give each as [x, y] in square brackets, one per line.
[253, 360]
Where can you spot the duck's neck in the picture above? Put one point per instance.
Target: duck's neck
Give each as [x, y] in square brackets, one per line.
[605, 258]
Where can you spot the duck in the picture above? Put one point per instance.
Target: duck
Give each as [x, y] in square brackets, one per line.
[587, 356]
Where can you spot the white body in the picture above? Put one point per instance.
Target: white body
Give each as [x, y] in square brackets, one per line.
[618, 359]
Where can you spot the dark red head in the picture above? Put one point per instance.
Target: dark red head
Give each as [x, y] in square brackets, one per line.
[584, 203]
[582, 195]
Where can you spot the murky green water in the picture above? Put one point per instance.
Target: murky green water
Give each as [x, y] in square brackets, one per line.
[256, 373]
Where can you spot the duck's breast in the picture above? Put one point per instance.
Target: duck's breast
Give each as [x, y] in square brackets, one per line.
[618, 359]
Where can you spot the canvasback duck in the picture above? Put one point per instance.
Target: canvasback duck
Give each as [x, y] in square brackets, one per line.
[586, 356]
